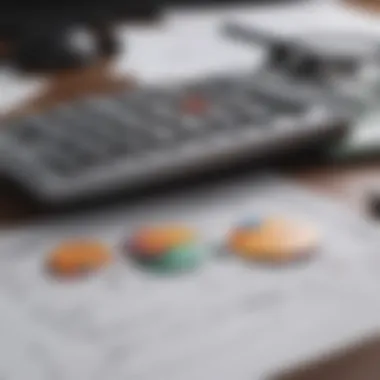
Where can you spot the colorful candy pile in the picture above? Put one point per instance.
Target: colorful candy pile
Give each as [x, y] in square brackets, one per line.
[174, 248]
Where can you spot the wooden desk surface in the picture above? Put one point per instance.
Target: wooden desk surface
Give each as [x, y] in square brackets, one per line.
[347, 184]
[372, 6]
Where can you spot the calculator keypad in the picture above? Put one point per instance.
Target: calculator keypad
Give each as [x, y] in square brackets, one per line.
[77, 137]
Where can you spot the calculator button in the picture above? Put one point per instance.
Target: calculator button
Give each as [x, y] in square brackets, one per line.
[194, 105]
[215, 87]
[229, 117]
[259, 116]
[162, 111]
[162, 134]
[30, 131]
[60, 165]
[112, 112]
[113, 134]
[68, 157]
[192, 123]
[285, 123]
[220, 119]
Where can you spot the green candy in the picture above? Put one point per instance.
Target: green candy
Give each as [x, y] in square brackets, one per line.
[183, 258]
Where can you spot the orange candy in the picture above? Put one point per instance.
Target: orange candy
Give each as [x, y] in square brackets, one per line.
[275, 240]
[154, 241]
[78, 257]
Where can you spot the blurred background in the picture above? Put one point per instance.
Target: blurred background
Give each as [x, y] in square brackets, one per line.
[90, 92]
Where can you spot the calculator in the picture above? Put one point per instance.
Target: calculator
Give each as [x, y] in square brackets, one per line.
[101, 144]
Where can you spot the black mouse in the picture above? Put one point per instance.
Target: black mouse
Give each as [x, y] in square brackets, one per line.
[63, 48]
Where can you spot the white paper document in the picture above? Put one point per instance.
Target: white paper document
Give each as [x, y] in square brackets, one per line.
[188, 43]
[230, 320]
[16, 89]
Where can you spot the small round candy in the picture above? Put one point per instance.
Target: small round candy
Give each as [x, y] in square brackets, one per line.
[155, 241]
[184, 258]
[275, 240]
[77, 257]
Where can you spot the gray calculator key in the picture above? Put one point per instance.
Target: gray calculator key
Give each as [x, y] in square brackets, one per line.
[219, 118]
[117, 149]
[164, 112]
[192, 124]
[277, 104]
[162, 134]
[29, 131]
[112, 127]
[215, 87]
[258, 113]
[126, 121]
[148, 101]
[58, 163]
[223, 117]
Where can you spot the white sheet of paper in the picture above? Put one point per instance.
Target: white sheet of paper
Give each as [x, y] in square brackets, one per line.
[16, 89]
[188, 43]
[156, 56]
[230, 320]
